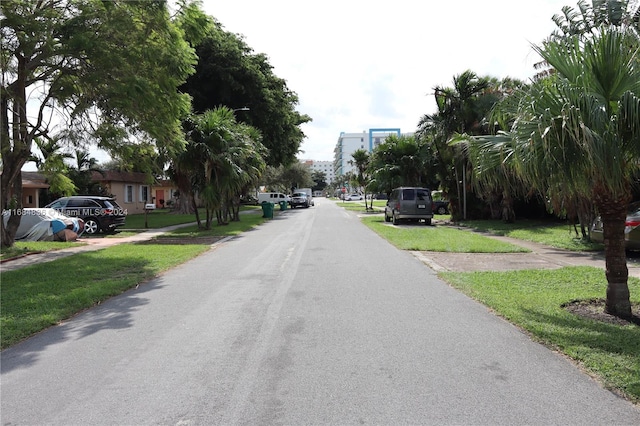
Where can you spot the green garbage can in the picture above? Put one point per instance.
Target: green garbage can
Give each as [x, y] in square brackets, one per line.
[283, 205]
[267, 210]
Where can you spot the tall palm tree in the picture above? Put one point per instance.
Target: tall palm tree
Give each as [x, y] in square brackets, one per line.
[461, 109]
[580, 130]
[361, 162]
[228, 157]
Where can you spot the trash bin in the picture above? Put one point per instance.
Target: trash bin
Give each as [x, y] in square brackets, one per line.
[267, 210]
[283, 205]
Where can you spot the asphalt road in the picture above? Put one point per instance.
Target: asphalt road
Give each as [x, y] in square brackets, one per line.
[310, 319]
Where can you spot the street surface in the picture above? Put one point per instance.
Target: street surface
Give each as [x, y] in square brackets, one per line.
[311, 319]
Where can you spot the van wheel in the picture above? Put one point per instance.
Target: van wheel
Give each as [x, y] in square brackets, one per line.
[395, 219]
[387, 218]
[427, 222]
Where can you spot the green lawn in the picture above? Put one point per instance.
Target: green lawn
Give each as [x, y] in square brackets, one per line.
[533, 299]
[24, 247]
[38, 296]
[163, 217]
[549, 233]
[247, 222]
[437, 238]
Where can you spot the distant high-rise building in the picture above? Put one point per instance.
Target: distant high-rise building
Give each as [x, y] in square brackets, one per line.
[325, 167]
[348, 143]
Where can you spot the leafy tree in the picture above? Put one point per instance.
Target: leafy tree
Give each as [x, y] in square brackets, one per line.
[82, 174]
[229, 73]
[402, 161]
[580, 130]
[110, 69]
[461, 109]
[52, 164]
[296, 175]
[320, 180]
[223, 158]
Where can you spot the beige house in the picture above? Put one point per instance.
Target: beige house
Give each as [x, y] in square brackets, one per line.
[130, 189]
[163, 193]
[32, 183]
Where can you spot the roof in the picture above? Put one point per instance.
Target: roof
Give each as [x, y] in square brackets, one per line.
[34, 180]
[115, 176]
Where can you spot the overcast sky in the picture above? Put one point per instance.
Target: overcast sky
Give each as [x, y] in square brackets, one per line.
[359, 64]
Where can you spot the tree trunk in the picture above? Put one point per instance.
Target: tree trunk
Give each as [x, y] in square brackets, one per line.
[15, 149]
[195, 208]
[12, 201]
[613, 216]
[508, 213]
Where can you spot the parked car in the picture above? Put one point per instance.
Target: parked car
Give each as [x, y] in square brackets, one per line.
[99, 213]
[409, 203]
[352, 197]
[440, 205]
[631, 230]
[42, 224]
[272, 197]
[300, 199]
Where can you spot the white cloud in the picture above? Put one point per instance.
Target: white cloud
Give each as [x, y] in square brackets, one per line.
[359, 64]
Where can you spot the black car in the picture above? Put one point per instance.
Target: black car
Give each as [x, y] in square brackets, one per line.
[441, 206]
[99, 213]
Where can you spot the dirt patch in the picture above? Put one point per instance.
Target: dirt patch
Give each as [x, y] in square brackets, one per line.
[594, 309]
[183, 240]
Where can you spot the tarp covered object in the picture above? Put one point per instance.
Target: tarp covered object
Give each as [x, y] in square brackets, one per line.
[46, 225]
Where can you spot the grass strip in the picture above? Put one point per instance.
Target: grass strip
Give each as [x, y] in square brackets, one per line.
[533, 299]
[39, 296]
[247, 222]
[560, 235]
[438, 238]
[23, 247]
[161, 218]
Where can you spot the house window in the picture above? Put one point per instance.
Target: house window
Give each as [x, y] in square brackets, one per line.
[128, 193]
[144, 193]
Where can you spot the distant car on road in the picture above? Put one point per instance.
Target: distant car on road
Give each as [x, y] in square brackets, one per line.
[352, 197]
[300, 199]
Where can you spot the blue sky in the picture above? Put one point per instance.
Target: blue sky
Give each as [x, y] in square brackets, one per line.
[359, 64]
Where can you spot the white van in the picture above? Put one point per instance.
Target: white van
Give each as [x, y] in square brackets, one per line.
[272, 197]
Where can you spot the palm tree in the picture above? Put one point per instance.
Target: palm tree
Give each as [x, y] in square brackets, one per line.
[580, 130]
[402, 161]
[361, 162]
[461, 109]
[225, 157]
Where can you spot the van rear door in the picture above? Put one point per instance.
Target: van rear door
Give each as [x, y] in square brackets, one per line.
[416, 202]
[424, 204]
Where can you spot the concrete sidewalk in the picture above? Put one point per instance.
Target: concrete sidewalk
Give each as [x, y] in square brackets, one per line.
[540, 257]
[91, 244]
